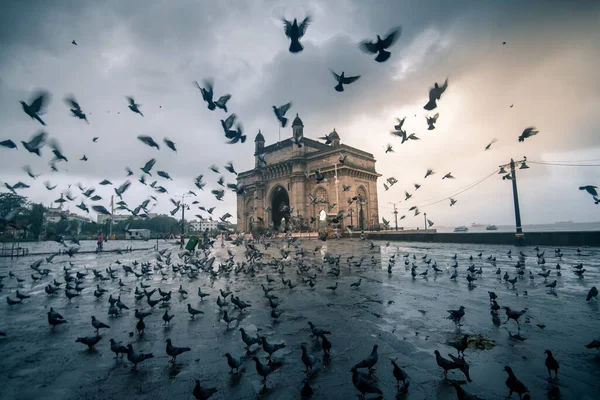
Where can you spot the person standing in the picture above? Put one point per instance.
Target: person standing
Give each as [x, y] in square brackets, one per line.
[99, 242]
[205, 239]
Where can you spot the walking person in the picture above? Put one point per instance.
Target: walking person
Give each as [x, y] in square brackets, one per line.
[99, 242]
[205, 239]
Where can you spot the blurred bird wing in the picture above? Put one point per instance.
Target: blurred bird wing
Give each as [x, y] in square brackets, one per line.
[223, 100]
[73, 103]
[349, 79]
[336, 76]
[208, 83]
[302, 27]
[39, 102]
[284, 108]
[229, 121]
[150, 164]
[368, 47]
[392, 37]
[287, 27]
[38, 140]
[444, 87]
[130, 100]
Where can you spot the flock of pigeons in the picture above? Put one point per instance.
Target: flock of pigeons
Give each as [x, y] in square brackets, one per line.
[291, 257]
[192, 265]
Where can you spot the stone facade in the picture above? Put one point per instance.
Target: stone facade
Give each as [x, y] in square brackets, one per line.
[284, 177]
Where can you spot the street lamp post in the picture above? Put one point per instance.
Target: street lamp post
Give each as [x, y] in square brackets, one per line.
[395, 213]
[425, 220]
[512, 176]
[182, 205]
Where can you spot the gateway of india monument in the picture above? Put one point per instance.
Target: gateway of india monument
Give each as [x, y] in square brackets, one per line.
[308, 183]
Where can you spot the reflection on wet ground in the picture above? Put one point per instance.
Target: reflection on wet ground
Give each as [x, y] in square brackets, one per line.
[405, 316]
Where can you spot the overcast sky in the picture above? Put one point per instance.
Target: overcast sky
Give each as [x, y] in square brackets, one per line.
[154, 50]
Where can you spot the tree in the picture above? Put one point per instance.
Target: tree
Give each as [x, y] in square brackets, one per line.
[36, 220]
[10, 201]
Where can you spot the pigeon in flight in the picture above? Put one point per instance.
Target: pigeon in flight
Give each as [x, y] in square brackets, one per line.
[74, 43]
[133, 106]
[222, 102]
[207, 93]
[431, 121]
[238, 135]
[280, 113]
[9, 144]
[379, 47]
[590, 189]
[76, 109]
[435, 93]
[448, 176]
[491, 143]
[149, 141]
[295, 32]
[343, 80]
[528, 132]
[170, 144]
[429, 172]
[400, 123]
[37, 106]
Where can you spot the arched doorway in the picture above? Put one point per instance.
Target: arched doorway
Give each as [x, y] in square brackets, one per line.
[280, 203]
[322, 219]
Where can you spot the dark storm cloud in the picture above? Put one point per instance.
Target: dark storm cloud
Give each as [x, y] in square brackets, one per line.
[155, 50]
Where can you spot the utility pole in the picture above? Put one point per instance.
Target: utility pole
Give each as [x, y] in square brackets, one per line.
[395, 212]
[425, 220]
[182, 218]
[337, 194]
[512, 175]
[112, 212]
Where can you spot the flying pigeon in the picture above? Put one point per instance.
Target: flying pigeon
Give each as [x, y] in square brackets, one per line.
[435, 93]
[133, 106]
[343, 80]
[528, 132]
[280, 113]
[379, 47]
[295, 32]
[37, 106]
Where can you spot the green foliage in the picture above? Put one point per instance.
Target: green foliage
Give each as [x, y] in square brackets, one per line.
[10, 201]
[36, 220]
[31, 220]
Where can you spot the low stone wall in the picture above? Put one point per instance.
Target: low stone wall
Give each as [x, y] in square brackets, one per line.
[581, 238]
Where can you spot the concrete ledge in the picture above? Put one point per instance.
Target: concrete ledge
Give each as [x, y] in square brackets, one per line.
[580, 238]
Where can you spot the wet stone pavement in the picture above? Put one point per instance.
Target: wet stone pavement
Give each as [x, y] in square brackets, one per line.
[404, 316]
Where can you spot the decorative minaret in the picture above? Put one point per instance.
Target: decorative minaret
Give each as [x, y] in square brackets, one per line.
[335, 138]
[259, 145]
[297, 127]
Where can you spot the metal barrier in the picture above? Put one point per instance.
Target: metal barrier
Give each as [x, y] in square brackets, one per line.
[13, 250]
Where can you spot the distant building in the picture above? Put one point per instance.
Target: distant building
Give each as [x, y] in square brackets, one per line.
[53, 214]
[284, 177]
[56, 214]
[137, 234]
[116, 218]
[201, 225]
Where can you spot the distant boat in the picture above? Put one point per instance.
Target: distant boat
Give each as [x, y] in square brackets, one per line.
[474, 225]
[461, 229]
[491, 228]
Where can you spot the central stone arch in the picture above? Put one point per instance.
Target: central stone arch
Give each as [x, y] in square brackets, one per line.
[279, 196]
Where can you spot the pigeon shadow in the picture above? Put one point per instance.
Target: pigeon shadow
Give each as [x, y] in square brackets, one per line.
[236, 378]
[174, 370]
